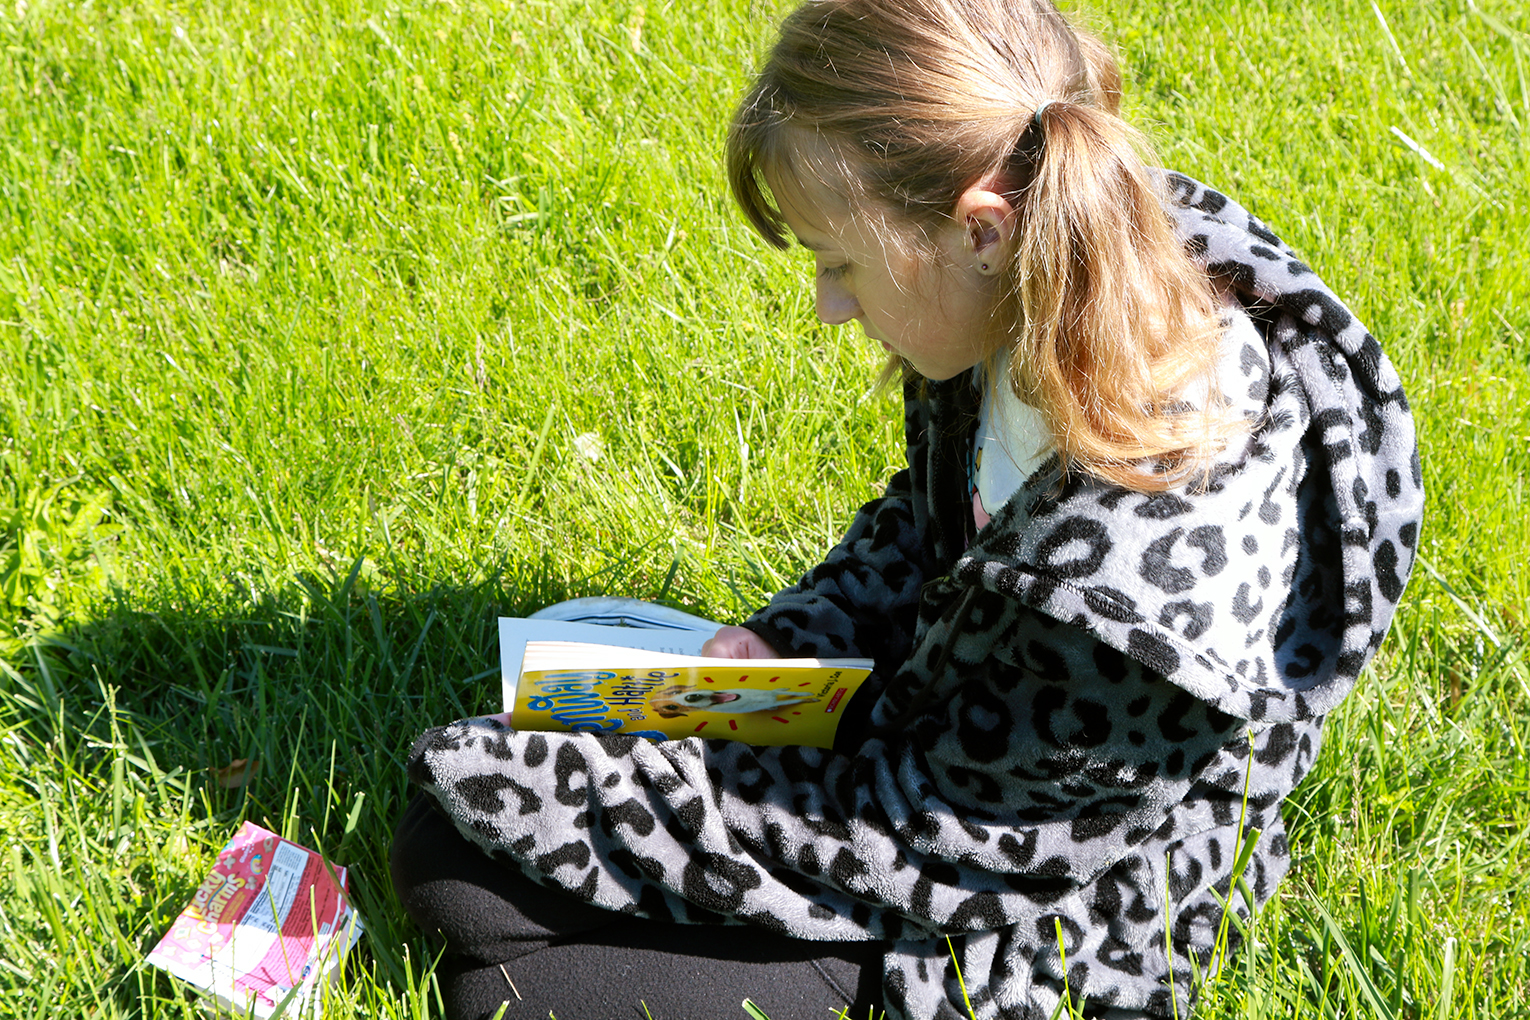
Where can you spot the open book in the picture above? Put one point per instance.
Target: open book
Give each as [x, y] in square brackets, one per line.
[651, 683]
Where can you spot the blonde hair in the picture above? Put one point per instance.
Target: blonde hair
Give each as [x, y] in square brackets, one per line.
[1104, 320]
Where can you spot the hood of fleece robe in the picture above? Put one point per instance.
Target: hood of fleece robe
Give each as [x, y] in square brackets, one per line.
[1266, 608]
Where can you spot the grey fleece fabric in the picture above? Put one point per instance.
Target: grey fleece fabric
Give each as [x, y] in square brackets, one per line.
[1069, 703]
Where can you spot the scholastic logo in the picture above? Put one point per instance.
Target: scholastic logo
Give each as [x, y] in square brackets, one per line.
[834, 702]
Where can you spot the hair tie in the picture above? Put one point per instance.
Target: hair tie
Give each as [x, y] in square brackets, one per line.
[1033, 138]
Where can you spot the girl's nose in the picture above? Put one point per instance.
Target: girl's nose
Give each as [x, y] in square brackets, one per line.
[835, 303]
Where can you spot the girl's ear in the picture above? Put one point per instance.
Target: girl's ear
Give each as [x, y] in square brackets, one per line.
[988, 224]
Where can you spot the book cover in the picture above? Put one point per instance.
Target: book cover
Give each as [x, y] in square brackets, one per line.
[515, 631]
[271, 919]
[585, 686]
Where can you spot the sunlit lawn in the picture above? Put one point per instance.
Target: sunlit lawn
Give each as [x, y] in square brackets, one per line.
[329, 332]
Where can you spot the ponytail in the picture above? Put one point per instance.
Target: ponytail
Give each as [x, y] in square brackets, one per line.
[1103, 72]
[1116, 321]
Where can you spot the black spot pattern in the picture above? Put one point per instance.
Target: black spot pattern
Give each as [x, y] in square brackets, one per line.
[1087, 745]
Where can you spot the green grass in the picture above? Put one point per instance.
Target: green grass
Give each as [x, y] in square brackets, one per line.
[330, 331]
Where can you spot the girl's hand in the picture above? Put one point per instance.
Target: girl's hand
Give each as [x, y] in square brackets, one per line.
[738, 643]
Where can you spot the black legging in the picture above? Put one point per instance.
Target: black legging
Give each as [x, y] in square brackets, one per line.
[509, 940]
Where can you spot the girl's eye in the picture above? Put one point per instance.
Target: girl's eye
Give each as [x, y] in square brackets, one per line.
[833, 272]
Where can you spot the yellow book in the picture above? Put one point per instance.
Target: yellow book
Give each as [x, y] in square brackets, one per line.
[608, 688]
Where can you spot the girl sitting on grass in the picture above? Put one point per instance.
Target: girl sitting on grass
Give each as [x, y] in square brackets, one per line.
[1161, 500]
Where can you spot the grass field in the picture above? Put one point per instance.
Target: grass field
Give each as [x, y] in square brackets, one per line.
[330, 331]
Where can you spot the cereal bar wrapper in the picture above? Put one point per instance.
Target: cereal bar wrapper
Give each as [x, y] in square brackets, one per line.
[269, 922]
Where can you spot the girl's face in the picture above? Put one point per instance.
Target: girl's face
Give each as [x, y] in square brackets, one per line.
[933, 313]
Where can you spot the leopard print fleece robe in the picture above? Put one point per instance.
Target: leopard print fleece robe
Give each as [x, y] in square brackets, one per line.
[1085, 712]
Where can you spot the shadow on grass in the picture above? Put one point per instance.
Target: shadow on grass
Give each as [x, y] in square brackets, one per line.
[133, 724]
[115, 734]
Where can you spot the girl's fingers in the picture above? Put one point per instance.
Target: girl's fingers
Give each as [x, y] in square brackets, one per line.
[738, 643]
